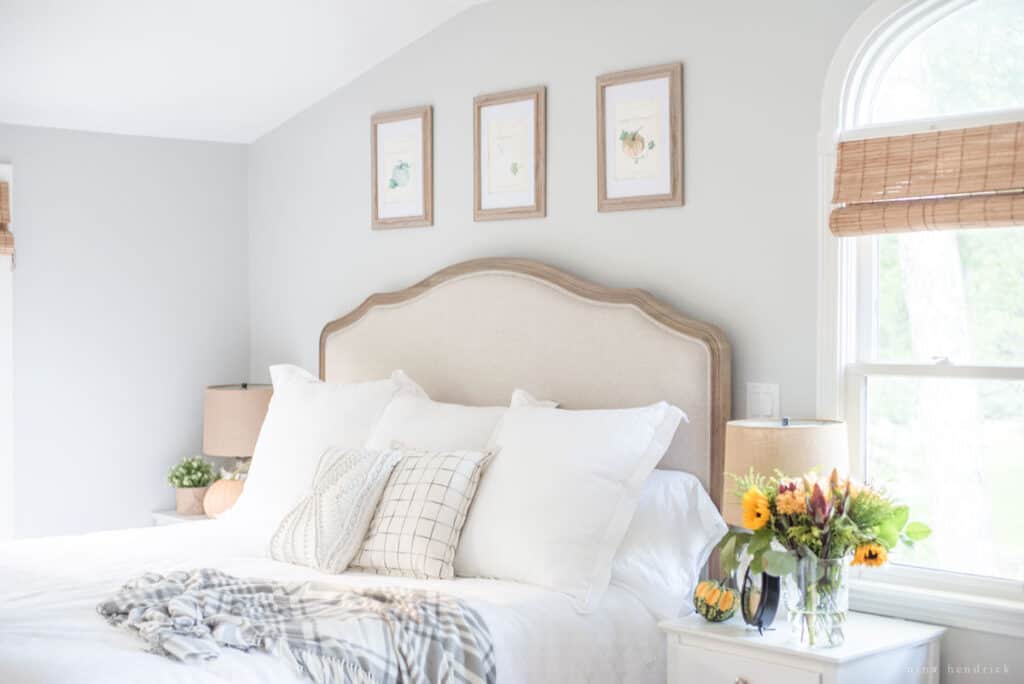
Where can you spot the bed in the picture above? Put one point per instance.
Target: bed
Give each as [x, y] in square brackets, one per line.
[469, 334]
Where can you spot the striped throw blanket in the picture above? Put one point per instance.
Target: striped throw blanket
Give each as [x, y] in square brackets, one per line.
[383, 636]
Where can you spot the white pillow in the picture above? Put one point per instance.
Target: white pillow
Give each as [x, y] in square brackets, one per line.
[419, 423]
[557, 499]
[305, 417]
[416, 527]
[326, 529]
[523, 399]
[674, 530]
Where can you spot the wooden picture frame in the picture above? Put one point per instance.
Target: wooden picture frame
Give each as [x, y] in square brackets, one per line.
[402, 196]
[510, 145]
[638, 169]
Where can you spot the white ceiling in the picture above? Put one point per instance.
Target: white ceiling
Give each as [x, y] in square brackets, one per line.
[227, 70]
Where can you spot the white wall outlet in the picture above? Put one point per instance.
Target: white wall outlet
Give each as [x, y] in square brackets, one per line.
[762, 400]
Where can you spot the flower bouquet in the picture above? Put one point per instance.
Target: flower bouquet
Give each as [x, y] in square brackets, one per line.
[804, 530]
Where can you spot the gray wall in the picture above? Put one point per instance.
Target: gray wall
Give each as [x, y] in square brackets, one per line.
[130, 297]
[741, 253]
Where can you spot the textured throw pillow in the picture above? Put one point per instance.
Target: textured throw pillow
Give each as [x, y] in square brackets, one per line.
[305, 417]
[416, 527]
[557, 500]
[326, 529]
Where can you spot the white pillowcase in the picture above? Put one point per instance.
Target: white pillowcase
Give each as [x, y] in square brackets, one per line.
[557, 499]
[305, 417]
[523, 399]
[674, 530]
[419, 423]
[326, 529]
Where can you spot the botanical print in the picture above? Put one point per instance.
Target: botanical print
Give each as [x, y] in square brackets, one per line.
[399, 175]
[507, 151]
[398, 167]
[638, 135]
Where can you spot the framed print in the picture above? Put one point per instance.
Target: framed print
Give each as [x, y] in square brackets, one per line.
[509, 150]
[402, 168]
[640, 138]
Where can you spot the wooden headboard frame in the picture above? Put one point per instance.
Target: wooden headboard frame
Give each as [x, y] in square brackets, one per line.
[704, 334]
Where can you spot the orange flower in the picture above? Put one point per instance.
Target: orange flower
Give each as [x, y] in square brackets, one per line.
[791, 499]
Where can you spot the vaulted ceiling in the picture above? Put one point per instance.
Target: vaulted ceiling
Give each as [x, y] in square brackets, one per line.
[226, 70]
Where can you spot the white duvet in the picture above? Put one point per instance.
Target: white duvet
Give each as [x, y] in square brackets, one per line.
[50, 631]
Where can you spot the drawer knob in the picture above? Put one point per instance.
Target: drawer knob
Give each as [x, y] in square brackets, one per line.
[741, 680]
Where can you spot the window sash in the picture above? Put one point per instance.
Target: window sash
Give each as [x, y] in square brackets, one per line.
[855, 376]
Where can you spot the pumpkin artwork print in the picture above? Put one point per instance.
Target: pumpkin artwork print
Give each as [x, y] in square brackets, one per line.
[634, 145]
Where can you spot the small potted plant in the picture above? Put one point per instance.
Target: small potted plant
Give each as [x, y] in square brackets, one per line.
[190, 479]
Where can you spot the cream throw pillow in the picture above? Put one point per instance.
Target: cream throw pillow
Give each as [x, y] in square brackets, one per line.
[326, 529]
[419, 519]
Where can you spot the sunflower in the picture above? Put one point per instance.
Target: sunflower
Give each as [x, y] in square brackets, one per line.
[755, 509]
[870, 554]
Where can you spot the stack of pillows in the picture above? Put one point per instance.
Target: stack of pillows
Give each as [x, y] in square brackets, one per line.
[376, 477]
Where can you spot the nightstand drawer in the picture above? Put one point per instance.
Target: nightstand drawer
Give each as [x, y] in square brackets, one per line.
[694, 665]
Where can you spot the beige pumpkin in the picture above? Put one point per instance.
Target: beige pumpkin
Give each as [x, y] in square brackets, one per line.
[221, 496]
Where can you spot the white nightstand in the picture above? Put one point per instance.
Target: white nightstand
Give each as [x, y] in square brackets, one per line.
[172, 517]
[877, 650]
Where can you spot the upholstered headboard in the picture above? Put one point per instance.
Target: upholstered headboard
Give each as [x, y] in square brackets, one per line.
[473, 332]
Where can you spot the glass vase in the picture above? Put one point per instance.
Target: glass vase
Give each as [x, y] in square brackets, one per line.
[817, 599]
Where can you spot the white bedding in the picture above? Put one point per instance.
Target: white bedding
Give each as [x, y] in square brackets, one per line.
[50, 631]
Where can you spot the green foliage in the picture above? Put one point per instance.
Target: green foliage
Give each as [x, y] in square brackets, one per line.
[779, 563]
[192, 472]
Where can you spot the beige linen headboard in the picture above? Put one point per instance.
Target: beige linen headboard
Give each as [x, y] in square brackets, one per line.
[475, 331]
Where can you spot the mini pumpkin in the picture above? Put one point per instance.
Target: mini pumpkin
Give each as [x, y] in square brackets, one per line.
[715, 601]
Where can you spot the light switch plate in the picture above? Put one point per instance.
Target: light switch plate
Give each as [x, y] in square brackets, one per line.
[762, 400]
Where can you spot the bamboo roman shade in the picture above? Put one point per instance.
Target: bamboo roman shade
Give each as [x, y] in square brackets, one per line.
[6, 238]
[965, 178]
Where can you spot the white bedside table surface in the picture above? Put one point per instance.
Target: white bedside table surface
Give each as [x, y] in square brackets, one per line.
[866, 635]
[172, 517]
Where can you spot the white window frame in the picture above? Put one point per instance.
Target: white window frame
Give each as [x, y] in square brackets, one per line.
[846, 305]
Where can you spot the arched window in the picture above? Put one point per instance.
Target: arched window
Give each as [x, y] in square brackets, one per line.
[965, 59]
[924, 349]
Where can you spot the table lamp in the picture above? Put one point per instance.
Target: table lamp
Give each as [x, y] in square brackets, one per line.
[232, 417]
[792, 446]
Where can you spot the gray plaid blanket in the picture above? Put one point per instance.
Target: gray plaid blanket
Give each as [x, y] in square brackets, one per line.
[382, 636]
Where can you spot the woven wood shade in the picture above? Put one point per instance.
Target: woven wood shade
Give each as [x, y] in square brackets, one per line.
[966, 178]
[6, 238]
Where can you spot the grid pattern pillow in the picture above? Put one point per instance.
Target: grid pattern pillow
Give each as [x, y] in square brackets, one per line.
[416, 527]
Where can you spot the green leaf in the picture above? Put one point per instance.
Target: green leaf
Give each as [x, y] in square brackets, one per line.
[623, 135]
[898, 518]
[650, 145]
[760, 541]
[779, 563]
[729, 560]
[916, 531]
